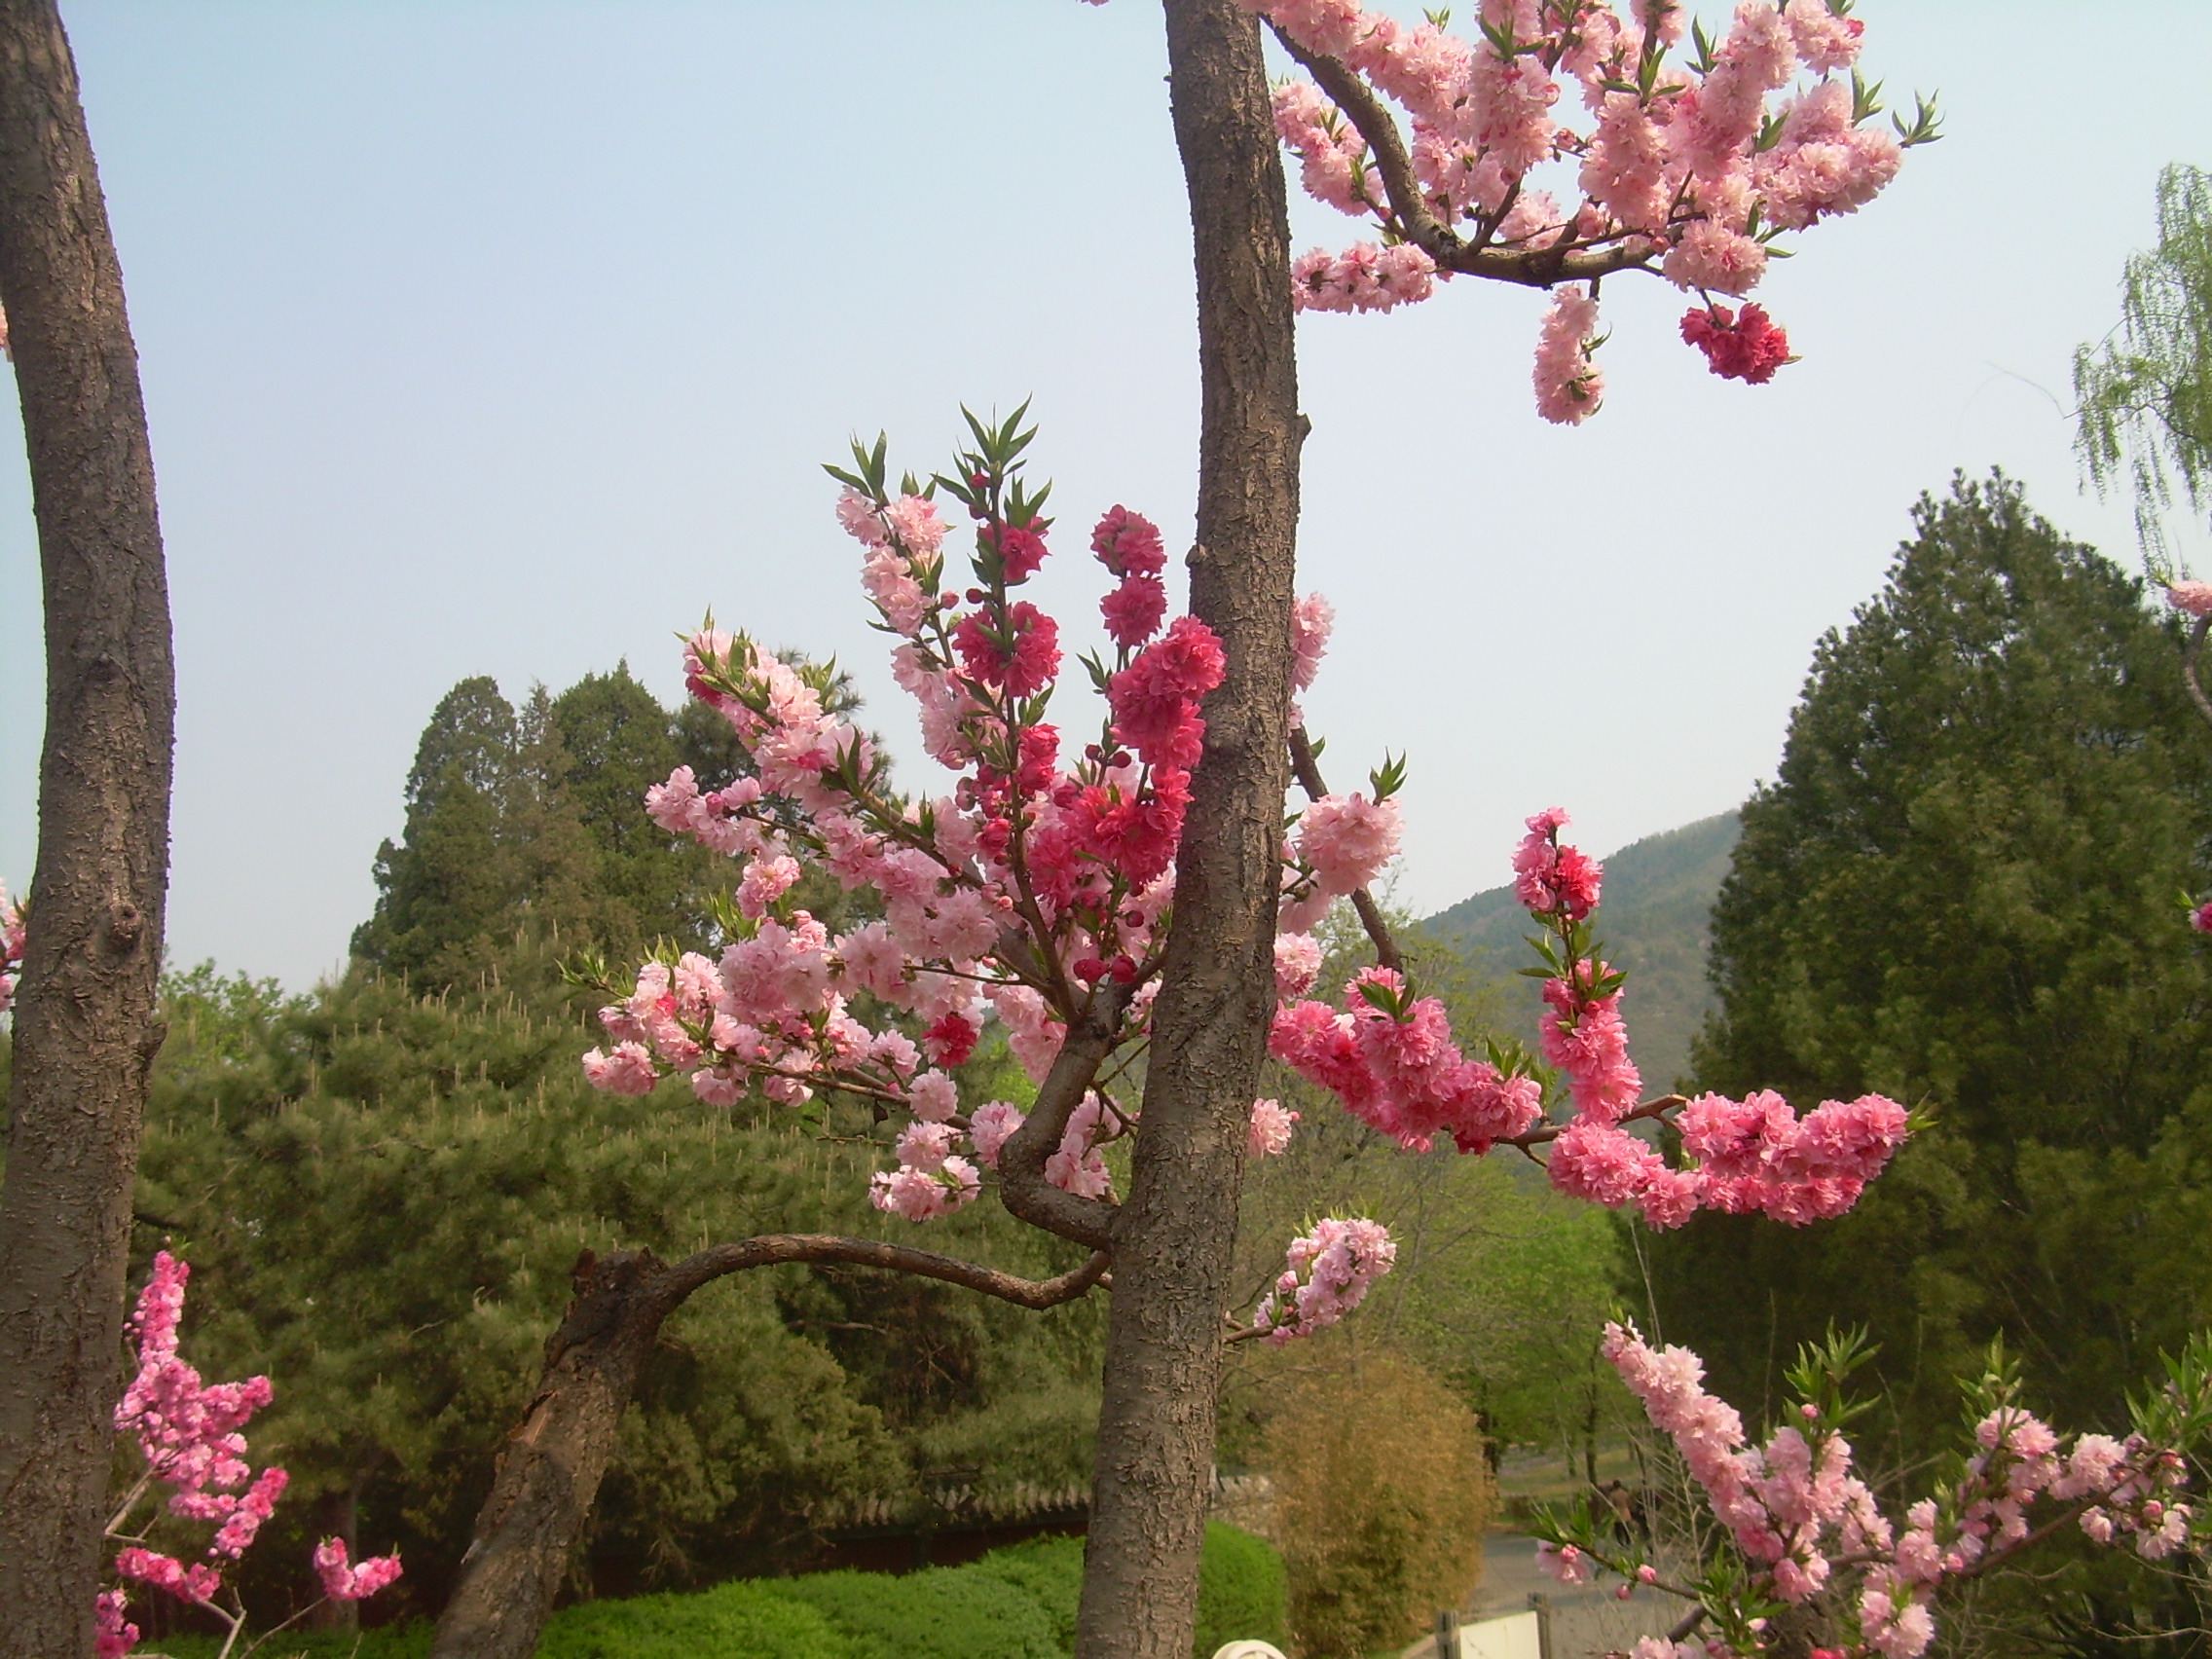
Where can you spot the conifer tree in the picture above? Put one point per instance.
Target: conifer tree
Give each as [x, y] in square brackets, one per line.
[1961, 890]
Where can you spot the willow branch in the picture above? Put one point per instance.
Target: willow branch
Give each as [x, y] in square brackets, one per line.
[1306, 767]
[1531, 267]
[720, 1260]
[1022, 1186]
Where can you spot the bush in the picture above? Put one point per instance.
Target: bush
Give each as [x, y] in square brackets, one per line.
[1243, 1591]
[748, 1618]
[946, 1613]
[1050, 1572]
[1382, 1492]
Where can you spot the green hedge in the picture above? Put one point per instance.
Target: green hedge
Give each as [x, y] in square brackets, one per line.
[944, 1612]
[1017, 1602]
[748, 1618]
[1244, 1591]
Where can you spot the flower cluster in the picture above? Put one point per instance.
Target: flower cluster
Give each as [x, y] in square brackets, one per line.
[13, 922]
[1692, 169]
[189, 1433]
[1389, 1057]
[1802, 1520]
[1326, 1273]
[1037, 890]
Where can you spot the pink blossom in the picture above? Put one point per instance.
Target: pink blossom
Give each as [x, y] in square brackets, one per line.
[2196, 597]
[114, 1635]
[1747, 350]
[1327, 1272]
[766, 881]
[990, 1127]
[627, 1070]
[1298, 963]
[1127, 543]
[1570, 385]
[1133, 611]
[341, 1582]
[1348, 840]
[1565, 1563]
[860, 517]
[935, 1098]
[1271, 1129]
[1311, 620]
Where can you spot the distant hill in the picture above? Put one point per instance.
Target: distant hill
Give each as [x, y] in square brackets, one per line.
[1658, 895]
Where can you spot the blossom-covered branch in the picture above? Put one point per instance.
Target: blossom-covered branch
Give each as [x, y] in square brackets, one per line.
[1686, 169]
[1804, 1529]
[189, 1432]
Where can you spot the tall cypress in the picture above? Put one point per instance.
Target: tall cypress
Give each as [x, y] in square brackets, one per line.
[1962, 891]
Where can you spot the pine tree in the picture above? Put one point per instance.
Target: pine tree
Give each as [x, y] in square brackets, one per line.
[1962, 891]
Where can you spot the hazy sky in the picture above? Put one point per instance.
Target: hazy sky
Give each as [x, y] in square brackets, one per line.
[506, 338]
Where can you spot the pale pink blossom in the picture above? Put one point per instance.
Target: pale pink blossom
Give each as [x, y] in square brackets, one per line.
[1271, 1129]
[1570, 385]
[1348, 840]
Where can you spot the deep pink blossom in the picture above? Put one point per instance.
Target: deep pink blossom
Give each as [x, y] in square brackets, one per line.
[1746, 348]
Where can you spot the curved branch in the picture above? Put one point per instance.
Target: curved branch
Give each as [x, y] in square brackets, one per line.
[550, 1469]
[718, 1261]
[1022, 1186]
[1533, 268]
[2188, 666]
[1307, 765]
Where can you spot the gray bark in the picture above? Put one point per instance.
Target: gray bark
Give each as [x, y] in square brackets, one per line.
[85, 1020]
[1173, 1238]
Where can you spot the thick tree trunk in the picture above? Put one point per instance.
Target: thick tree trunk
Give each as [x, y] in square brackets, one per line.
[85, 1030]
[1173, 1238]
[550, 1469]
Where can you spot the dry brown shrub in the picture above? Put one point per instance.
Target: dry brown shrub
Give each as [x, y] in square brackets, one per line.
[1382, 1496]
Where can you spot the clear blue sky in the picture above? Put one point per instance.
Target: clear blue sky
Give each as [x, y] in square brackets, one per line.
[506, 338]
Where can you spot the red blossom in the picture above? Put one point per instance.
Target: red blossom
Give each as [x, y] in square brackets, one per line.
[1750, 348]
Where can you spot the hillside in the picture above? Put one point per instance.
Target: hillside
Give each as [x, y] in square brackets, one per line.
[1658, 894]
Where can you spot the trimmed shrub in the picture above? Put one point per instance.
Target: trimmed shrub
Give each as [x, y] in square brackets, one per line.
[1242, 1591]
[748, 1618]
[1381, 1494]
[1050, 1572]
[946, 1613]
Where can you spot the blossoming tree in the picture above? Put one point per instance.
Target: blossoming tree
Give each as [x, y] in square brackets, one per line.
[1128, 909]
[1805, 1560]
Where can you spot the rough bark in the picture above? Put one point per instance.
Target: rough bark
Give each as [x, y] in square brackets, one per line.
[551, 1466]
[85, 1022]
[1173, 1236]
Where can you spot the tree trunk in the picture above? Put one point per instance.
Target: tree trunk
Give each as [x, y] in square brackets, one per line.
[1172, 1239]
[85, 1027]
[550, 1469]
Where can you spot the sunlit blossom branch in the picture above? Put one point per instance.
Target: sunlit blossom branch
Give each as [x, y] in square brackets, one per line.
[1305, 766]
[1534, 267]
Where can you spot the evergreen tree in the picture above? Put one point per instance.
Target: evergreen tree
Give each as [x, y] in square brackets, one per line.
[449, 880]
[383, 1193]
[1962, 891]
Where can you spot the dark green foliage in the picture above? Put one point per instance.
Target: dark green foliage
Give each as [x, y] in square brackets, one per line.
[1242, 1591]
[1658, 894]
[383, 1195]
[1962, 891]
[538, 820]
